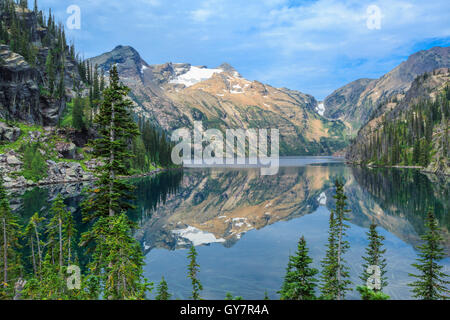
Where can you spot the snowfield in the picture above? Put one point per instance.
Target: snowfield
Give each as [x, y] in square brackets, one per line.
[320, 109]
[195, 75]
[197, 236]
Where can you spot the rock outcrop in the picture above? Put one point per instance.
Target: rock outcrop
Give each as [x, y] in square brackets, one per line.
[24, 84]
[9, 133]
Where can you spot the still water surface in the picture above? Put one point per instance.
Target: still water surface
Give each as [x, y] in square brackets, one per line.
[246, 225]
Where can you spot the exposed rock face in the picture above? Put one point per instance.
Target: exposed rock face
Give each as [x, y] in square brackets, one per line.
[339, 103]
[355, 102]
[62, 172]
[8, 133]
[127, 58]
[21, 84]
[175, 95]
[67, 149]
[58, 172]
[19, 91]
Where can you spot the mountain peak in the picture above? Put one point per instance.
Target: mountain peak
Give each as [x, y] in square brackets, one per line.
[125, 49]
[128, 60]
[229, 69]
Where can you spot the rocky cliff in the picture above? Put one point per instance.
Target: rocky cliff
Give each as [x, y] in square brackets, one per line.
[24, 81]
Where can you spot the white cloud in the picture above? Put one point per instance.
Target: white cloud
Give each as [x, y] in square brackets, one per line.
[313, 46]
[201, 15]
[153, 3]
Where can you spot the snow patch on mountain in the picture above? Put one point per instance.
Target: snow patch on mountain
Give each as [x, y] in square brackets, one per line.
[320, 108]
[195, 75]
[197, 236]
[143, 69]
[322, 199]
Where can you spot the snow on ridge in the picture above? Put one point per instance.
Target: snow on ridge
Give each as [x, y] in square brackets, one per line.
[197, 236]
[195, 75]
[322, 199]
[320, 108]
[143, 69]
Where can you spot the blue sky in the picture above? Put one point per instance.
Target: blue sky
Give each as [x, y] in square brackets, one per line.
[311, 46]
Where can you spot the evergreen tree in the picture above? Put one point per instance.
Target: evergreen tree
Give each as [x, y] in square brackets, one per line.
[432, 283]
[123, 261]
[335, 273]
[374, 257]
[77, 114]
[33, 235]
[230, 297]
[117, 260]
[299, 282]
[116, 129]
[23, 3]
[329, 284]
[50, 70]
[57, 231]
[193, 270]
[342, 245]
[10, 259]
[369, 294]
[163, 291]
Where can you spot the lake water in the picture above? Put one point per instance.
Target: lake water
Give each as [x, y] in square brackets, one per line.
[246, 225]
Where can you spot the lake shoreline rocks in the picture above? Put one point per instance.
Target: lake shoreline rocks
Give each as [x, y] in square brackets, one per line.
[58, 173]
[445, 173]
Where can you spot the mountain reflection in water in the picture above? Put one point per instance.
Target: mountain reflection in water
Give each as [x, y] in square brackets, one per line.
[245, 225]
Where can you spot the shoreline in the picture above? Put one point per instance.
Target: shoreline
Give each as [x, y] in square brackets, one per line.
[64, 182]
[421, 169]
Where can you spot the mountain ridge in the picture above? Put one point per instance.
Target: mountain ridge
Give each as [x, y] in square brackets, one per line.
[173, 95]
[367, 96]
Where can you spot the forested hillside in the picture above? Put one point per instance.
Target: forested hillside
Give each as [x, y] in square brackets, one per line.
[412, 131]
[49, 97]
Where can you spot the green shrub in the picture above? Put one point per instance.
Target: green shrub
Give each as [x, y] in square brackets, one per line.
[34, 165]
[369, 294]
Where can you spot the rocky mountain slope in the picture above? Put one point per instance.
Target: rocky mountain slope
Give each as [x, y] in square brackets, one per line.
[355, 102]
[173, 95]
[24, 78]
[419, 119]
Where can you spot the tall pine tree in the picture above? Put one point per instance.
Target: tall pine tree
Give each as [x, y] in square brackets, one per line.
[335, 282]
[193, 270]
[299, 282]
[374, 257]
[117, 257]
[432, 283]
[163, 291]
[10, 258]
